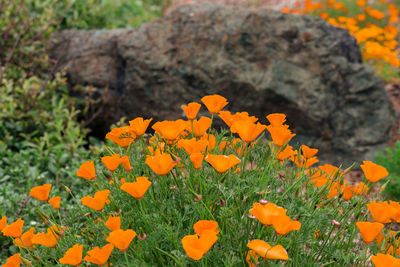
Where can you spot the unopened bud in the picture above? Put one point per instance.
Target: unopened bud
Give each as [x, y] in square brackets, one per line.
[67, 189]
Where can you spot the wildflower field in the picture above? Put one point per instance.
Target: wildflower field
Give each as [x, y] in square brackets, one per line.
[189, 194]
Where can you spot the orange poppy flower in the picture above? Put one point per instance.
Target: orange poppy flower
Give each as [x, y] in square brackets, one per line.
[3, 222]
[98, 201]
[122, 136]
[382, 212]
[14, 229]
[73, 256]
[26, 239]
[113, 223]
[229, 118]
[308, 152]
[192, 146]
[265, 250]
[41, 192]
[385, 260]
[202, 225]
[210, 138]
[196, 247]
[160, 163]
[126, 163]
[280, 135]
[369, 231]
[214, 103]
[201, 126]
[48, 239]
[139, 126]
[13, 261]
[252, 258]
[373, 172]
[170, 130]
[197, 159]
[191, 110]
[283, 225]
[87, 170]
[361, 189]
[98, 255]
[137, 189]
[222, 163]
[304, 162]
[276, 119]
[267, 213]
[55, 202]
[111, 162]
[121, 239]
[247, 130]
[286, 153]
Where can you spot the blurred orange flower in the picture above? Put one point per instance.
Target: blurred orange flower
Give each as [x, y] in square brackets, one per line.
[385, 260]
[267, 213]
[369, 231]
[137, 189]
[113, 223]
[222, 163]
[3, 222]
[41, 192]
[267, 252]
[247, 130]
[197, 159]
[126, 163]
[201, 126]
[196, 247]
[229, 118]
[87, 170]
[373, 172]
[202, 225]
[14, 229]
[214, 103]
[192, 146]
[139, 125]
[121, 239]
[170, 130]
[111, 162]
[283, 225]
[55, 202]
[191, 110]
[122, 136]
[26, 239]
[73, 256]
[98, 255]
[98, 201]
[277, 119]
[13, 261]
[308, 152]
[280, 135]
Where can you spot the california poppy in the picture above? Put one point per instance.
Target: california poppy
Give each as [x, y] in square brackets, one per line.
[98, 255]
[265, 250]
[283, 225]
[14, 229]
[73, 256]
[48, 239]
[197, 159]
[247, 130]
[214, 103]
[267, 213]
[382, 212]
[122, 136]
[200, 126]
[87, 170]
[373, 172]
[3, 222]
[98, 201]
[192, 146]
[280, 135]
[222, 163]
[121, 239]
[13, 261]
[139, 126]
[308, 152]
[191, 110]
[55, 202]
[113, 223]
[26, 239]
[126, 163]
[41, 192]
[170, 130]
[137, 189]
[210, 138]
[196, 247]
[160, 163]
[111, 162]
[202, 225]
[252, 258]
[229, 118]
[276, 119]
[369, 231]
[385, 260]
[286, 153]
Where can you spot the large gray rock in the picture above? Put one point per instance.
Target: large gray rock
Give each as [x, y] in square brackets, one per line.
[262, 61]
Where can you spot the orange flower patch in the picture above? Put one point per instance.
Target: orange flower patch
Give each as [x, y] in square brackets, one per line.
[286, 153]
[373, 172]
[191, 110]
[308, 152]
[87, 170]
[126, 163]
[121, 239]
[41, 192]
[98, 201]
[122, 136]
[3, 222]
[277, 119]
[214, 103]
[382, 212]
[73, 256]
[98, 255]
[222, 163]
[48, 239]
[137, 189]
[210, 138]
[139, 125]
[14, 229]
[265, 250]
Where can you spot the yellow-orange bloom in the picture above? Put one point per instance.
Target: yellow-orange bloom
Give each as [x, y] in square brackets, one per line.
[122, 136]
[222, 163]
[265, 250]
[373, 172]
[247, 130]
[121, 239]
[126, 163]
[369, 231]
[73, 256]
[48, 239]
[196, 247]
[267, 213]
[98, 201]
[385, 260]
[14, 229]
[41, 192]
[111, 162]
[286, 153]
[137, 189]
[252, 258]
[3, 222]
[283, 225]
[160, 163]
[87, 170]
[280, 135]
[201, 126]
[197, 159]
[55, 202]
[192, 146]
[98, 255]
[229, 118]
[382, 212]
[139, 126]
[276, 119]
[113, 223]
[13, 261]
[210, 138]
[191, 110]
[308, 152]
[170, 130]
[203, 225]
[214, 103]
[26, 239]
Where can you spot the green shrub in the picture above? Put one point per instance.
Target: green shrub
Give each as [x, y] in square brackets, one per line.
[390, 159]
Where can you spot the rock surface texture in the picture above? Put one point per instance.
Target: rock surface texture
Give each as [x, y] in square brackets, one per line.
[262, 61]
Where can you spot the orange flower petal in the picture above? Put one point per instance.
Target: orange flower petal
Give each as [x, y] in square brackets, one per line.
[98, 255]
[121, 239]
[87, 170]
[41, 192]
[191, 110]
[137, 189]
[373, 172]
[369, 231]
[14, 229]
[113, 223]
[73, 256]
[139, 125]
[214, 103]
[55, 202]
